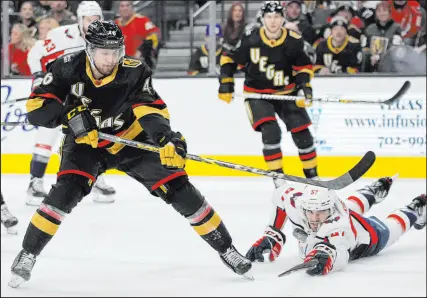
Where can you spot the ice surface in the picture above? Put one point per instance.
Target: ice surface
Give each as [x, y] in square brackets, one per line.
[139, 246]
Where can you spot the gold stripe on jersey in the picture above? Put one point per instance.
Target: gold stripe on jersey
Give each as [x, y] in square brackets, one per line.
[304, 70]
[351, 70]
[225, 60]
[317, 67]
[142, 111]
[272, 43]
[205, 51]
[34, 104]
[103, 81]
[132, 132]
[339, 49]
[155, 40]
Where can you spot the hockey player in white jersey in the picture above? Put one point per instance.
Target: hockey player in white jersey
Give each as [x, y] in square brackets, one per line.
[59, 41]
[333, 231]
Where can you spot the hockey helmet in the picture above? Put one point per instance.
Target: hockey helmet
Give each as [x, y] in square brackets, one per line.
[272, 6]
[87, 9]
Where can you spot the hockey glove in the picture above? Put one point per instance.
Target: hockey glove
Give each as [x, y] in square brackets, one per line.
[173, 150]
[271, 242]
[226, 88]
[326, 254]
[82, 125]
[308, 94]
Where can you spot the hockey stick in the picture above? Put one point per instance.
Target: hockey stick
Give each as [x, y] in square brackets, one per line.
[387, 101]
[309, 265]
[338, 183]
[9, 102]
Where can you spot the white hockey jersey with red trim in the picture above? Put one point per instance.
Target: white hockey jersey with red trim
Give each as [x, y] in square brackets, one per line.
[59, 41]
[340, 230]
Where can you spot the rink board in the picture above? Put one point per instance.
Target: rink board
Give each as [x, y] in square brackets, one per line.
[343, 132]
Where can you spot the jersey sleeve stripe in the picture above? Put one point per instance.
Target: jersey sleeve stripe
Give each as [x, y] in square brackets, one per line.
[46, 95]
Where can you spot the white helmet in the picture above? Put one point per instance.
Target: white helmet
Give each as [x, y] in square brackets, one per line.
[86, 9]
[317, 199]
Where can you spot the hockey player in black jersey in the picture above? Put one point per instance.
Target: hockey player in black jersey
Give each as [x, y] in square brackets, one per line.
[101, 90]
[339, 53]
[275, 63]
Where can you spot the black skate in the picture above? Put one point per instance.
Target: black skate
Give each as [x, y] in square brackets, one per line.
[8, 220]
[21, 268]
[35, 192]
[418, 205]
[236, 262]
[379, 188]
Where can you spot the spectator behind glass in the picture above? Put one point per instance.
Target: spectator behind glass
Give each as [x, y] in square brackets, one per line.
[381, 35]
[409, 16]
[366, 11]
[60, 13]
[21, 42]
[338, 53]
[200, 58]
[45, 25]
[26, 17]
[235, 24]
[296, 21]
[355, 24]
[142, 37]
[41, 8]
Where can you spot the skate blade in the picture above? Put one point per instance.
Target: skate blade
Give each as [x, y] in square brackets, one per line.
[248, 276]
[12, 231]
[103, 199]
[393, 178]
[15, 281]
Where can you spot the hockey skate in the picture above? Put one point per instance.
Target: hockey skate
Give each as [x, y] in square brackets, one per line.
[21, 268]
[379, 188]
[8, 220]
[236, 262]
[35, 192]
[418, 206]
[102, 192]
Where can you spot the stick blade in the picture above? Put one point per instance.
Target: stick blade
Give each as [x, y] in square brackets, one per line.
[354, 174]
[399, 94]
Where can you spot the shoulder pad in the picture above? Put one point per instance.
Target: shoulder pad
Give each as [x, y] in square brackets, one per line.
[133, 63]
[294, 34]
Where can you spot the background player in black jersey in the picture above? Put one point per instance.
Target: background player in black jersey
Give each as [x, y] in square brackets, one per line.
[101, 90]
[339, 53]
[275, 63]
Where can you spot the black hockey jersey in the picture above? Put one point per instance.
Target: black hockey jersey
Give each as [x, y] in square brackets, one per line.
[271, 66]
[344, 59]
[123, 103]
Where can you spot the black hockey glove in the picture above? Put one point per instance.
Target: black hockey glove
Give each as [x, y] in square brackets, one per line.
[308, 94]
[173, 149]
[82, 125]
[325, 253]
[226, 88]
[271, 242]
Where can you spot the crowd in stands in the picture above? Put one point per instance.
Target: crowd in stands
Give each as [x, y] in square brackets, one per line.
[376, 26]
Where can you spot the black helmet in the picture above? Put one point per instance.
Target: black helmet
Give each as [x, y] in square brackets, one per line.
[104, 34]
[272, 6]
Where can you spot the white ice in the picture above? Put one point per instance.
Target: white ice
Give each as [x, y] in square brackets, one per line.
[139, 246]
